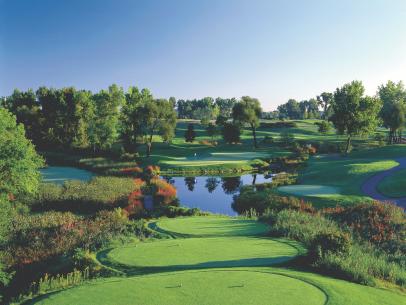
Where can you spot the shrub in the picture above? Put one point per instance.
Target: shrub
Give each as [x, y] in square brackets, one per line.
[39, 237]
[377, 222]
[249, 199]
[84, 197]
[330, 242]
[280, 124]
[323, 127]
[286, 138]
[298, 225]
[231, 133]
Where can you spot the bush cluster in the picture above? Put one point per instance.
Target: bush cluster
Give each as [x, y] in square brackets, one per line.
[84, 197]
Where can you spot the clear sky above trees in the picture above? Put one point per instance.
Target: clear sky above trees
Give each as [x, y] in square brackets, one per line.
[272, 50]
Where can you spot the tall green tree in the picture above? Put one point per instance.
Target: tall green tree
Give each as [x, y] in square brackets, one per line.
[354, 113]
[324, 100]
[393, 97]
[19, 163]
[103, 130]
[157, 117]
[130, 123]
[248, 111]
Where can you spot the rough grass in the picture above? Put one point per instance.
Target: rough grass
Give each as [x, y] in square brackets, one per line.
[394, 185]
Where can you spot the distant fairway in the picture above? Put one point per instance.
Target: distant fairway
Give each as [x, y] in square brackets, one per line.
[309, 190]
[212, 226]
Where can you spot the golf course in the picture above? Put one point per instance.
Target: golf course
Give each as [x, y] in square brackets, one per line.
[223, 261]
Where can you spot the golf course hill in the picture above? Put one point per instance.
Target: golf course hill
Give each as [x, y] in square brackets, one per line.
[213, 260]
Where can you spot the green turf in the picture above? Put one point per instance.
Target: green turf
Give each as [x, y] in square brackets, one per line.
[395, 185]
[211, 286]
[309, 190]
[347, 173]
[194, 253]
[254, 286]
[212, 226]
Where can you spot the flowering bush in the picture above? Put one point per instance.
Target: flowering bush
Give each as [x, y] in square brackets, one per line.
[377, 222]
[132, 170]
[151, 171]
[163, 192]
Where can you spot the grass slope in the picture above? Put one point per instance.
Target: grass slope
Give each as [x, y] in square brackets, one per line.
[212, 286]
[346, 174]
[394, 185]
[197, 253]
[211, 226]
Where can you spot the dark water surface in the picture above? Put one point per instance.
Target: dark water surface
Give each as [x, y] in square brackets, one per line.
[208, 193]
[213, 194]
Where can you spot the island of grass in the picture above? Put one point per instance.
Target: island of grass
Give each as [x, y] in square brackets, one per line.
[231, 240]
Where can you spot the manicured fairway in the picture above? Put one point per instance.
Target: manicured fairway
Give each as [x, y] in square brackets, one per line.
[394, 185]
[194, 253]
[246, 286]
[212, 226]
[309, 190]
[241, 283]
[348, 173]
[208, 287]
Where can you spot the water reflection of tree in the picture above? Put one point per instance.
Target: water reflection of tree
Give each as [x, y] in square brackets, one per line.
[190, 183]
[212, 183]
[169, 179]
[231, 185]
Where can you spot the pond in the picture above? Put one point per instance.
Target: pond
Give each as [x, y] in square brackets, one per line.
[213, 194]
[60, 174]
[208, 193]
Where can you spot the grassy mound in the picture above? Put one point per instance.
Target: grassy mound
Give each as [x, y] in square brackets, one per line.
[211, 226]
[231, 286]
[309, 190]
[194, 287]
[395, 185]
[196, 253]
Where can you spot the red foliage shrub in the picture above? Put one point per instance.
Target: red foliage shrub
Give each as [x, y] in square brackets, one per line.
[163, 192]
[378, 222]
[131, 170]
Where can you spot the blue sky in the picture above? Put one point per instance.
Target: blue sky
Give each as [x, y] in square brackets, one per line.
[272, 50]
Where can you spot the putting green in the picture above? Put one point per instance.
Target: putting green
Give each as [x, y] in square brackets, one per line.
[394, 185]
[211, 287]
[309, 190]
[211, 226]
[194, 253]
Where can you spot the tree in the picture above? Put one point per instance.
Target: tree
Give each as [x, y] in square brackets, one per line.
[156, 117]
[130, 123]
[103, 130]
[231, 133]
[212, 183]
[324, 127]
[190, 134]
[25, 107]
[324, 100]
[248, 111]
[221, 120]
[290, 110]
[19, 163]
[354, 114]
[211, 130]
[393, 97]
[225, 106]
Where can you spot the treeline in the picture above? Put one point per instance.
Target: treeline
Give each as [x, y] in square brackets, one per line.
[68, 118]
[206, 108]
